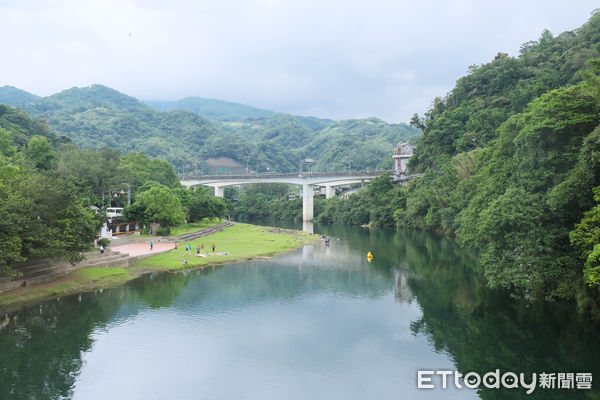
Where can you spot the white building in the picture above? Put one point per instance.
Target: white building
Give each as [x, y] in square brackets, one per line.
[403, 152]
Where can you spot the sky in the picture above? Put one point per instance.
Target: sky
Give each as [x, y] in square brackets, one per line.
[332, 59]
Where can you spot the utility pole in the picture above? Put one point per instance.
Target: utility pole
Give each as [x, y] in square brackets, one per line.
[128, 192]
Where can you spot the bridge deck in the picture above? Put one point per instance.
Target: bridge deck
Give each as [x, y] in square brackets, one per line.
[306, 179]
[275, 175]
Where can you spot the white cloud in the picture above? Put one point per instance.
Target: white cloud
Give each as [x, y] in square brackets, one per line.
[339, 59]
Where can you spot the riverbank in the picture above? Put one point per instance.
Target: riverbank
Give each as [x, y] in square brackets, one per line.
[237, 243]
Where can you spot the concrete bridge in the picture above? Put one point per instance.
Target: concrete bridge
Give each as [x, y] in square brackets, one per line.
[307, 179]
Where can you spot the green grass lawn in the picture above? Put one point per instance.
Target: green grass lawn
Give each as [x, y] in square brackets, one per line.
[243, 241]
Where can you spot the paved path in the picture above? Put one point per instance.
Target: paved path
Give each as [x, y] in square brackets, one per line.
[142, 249]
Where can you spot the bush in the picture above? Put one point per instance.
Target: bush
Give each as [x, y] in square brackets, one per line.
[104, 242]
[163, 231]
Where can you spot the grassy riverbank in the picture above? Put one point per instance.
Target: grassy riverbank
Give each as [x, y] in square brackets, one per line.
[242, 241]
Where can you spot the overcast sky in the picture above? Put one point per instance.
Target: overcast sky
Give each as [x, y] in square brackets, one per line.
[334, 59]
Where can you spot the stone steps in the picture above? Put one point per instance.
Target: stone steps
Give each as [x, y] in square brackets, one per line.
[115, 256]
[204, 232]
[96, 254]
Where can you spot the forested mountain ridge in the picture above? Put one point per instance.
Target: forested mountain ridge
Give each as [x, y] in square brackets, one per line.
[15, 97]
[213, 108]
[99, 116]
[468, 116]
[512, 168]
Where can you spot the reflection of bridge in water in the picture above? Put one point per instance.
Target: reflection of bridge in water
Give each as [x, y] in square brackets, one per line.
[307, 179]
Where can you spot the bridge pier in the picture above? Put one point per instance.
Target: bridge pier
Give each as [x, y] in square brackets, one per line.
[307, 202]
[329, 191]
[218, 191]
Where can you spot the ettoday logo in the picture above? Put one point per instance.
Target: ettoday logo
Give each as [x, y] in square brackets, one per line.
[506, 380]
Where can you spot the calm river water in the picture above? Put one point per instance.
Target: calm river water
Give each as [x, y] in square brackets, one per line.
[318, 323]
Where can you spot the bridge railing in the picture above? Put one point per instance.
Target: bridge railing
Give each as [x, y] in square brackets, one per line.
[287, 175]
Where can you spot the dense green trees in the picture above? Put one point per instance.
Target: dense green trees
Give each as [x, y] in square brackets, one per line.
[480, 102]
[376, 205]
[158, 205]
[198, 204]
[47, 186]
[41, 215]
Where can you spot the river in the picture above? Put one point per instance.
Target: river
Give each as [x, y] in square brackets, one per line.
[321, 322]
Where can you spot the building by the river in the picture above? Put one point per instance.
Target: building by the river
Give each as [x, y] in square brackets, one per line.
[402, 153]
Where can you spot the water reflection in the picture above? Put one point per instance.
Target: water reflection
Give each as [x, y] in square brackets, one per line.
[321, 322]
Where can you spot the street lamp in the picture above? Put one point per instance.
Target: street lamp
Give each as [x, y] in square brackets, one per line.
[248, 162]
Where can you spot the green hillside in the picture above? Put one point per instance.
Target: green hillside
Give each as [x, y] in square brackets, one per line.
[512, 168]
[213, 109]
[468, 116]
[15, 97]
[98, 116]
[22, 128]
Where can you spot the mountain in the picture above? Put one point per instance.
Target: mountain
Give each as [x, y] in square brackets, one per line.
[355, 143]
[468, 117]
[98, 116]
[15, 97]
[213, 109]
[511, 160]
[22, 128]
[75, 98]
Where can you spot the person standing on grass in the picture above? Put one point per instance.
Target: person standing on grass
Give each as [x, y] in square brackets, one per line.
[151, 245]
[198, 250]
[202, 247]
[213, 247]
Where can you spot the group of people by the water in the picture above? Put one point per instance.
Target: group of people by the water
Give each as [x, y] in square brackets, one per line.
[326, 239]
[199, 249]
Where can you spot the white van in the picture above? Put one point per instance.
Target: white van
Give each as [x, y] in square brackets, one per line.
[112, 212]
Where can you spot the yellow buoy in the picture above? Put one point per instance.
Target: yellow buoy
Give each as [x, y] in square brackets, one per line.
[369, 255]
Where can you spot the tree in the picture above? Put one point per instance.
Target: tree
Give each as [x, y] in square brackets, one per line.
[417, 122]
[11, 202]
[586, 239]
[39, 152]
[198, 204]
[6, 143]
[160, 206]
